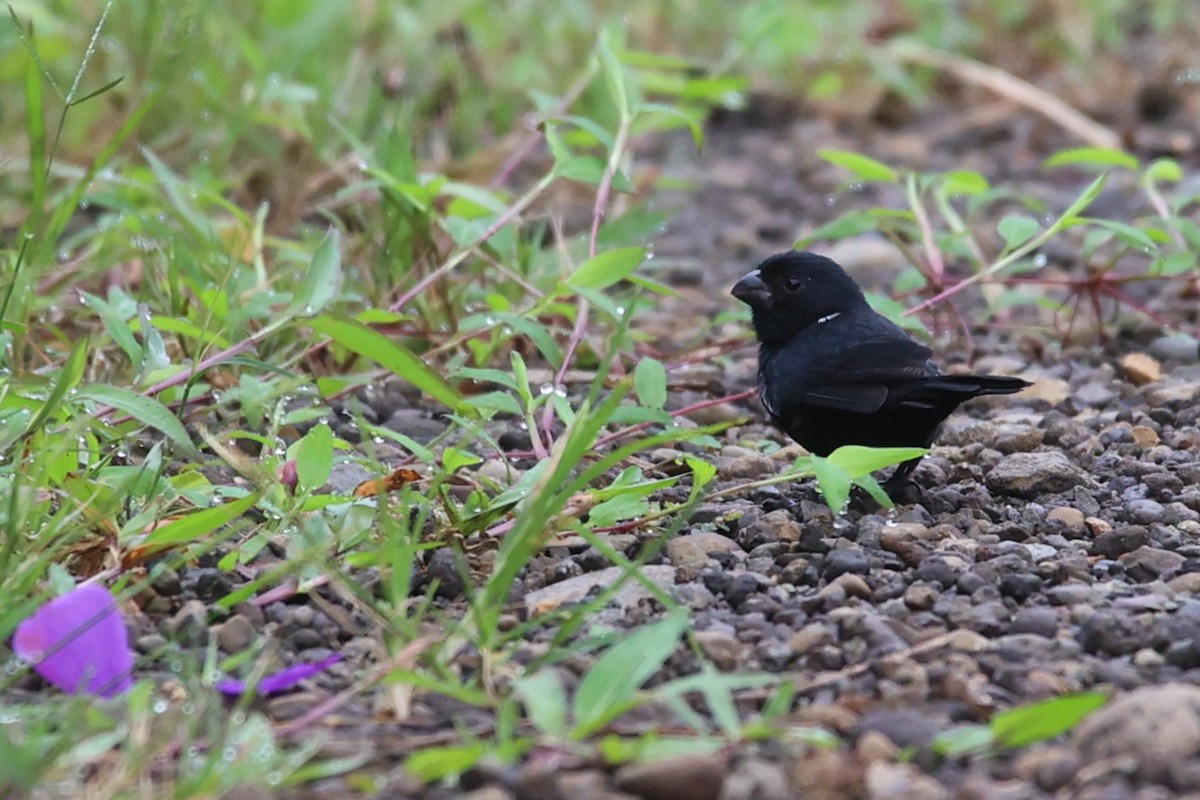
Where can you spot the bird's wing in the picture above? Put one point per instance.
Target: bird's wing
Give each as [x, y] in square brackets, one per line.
[855, 378]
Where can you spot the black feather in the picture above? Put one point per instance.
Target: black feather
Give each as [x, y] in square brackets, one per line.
[831, 371]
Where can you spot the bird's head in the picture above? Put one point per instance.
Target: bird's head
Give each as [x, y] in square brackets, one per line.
[793, 290]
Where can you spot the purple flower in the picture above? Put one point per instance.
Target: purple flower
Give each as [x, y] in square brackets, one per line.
[78, 643]
[279, 681]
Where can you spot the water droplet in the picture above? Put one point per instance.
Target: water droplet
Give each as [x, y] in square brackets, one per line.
[561, 391]
[160, 706]
[1040, 260]
[831, 199]
[1187, 76]
[377, 439]
[546, 389]
[857, 186]
[363, 166]
[84, 205]
[63, 255]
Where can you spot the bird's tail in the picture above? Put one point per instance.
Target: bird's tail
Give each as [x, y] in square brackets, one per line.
[954, 389]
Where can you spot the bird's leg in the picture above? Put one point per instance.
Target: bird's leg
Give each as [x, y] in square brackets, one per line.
[900, 486]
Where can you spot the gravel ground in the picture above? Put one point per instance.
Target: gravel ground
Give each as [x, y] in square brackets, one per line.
[1056, 548]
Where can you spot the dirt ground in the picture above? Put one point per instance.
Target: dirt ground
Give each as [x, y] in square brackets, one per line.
[1056, 548]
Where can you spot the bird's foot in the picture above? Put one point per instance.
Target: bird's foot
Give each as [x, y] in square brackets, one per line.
[904, 491]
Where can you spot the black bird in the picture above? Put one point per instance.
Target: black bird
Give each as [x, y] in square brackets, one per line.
[831, 371]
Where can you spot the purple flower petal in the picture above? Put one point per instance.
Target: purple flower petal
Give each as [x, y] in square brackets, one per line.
[279, 681]
[78, 643]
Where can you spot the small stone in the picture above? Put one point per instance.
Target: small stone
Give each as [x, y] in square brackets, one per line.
[746, 467]
[1071, 518]
[235, 634]
[920, 597]
[1030, 474]
[1144, 436]
[754, 778]
[1097, 526]
[1140, 368]
[888, 781]
[694, 777]
[1051, 390]
[721, 648]
[1180, 347]
[1148, 563]
[1116, 543]
[1162, 393]
[189, 625]
[1094, 394]
[810, 637]
[875, 746]
[573, 590]
[1156, 727]
[846, 560]
[1145, 511]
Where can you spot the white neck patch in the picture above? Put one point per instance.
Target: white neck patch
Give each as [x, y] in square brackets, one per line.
[828, 317]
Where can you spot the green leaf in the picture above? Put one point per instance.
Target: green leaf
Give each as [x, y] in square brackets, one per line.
[964, 182]
[1134, 237]
[314, 457]
[1101, 157]
[607, 268]
[964, 740]
[371, 344]
[650, 383]
[144, 409]
[1084, 200]
[852, 223]
[833, 481]
[1026, 725]
[608, 689]
[196, 526]
[545, 702]
[863, 167]
[1164, 169]
[1016, 229]
[859, 461]
[70, 374]
[322, 280]
[435, 763]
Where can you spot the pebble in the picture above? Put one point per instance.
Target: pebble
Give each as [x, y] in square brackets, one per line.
[1182, 347]
[1030, 474]
[747, 467]
[721, 648]
[1140, 368]
[1160, 394]
[888, 781]
[1148, 563]
[692, 777]
[234, 634]
[1157, 727]
[840, 562]
[573, 590]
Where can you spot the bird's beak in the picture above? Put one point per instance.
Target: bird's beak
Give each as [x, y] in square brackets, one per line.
[752, 291]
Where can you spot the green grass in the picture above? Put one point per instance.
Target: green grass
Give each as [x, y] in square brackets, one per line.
[210, 211]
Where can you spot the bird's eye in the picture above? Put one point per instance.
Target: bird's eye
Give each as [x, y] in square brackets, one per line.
[792, 284]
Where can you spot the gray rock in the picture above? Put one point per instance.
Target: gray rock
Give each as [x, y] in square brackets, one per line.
[693, 777]
[1147, 563]
[234, 634]
[573, 590]
[1181, 347]
[1156, 727]
[1030, 474]
[1145, 511]
[1094, 394]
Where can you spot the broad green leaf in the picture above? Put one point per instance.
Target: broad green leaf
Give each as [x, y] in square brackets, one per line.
[607, 268]
[964, 740]
[964, 182]
[435, 763]
[1164, 169]
[69, 375]
[144, 409]
[1016, 229]
[833, 481]
[610, 686]
[1102, 157]
[322, 280]
[863, 167]
[1026, 725]
[314, 457]
[545, 701]
[373, 345]
[650, 383]
[1134, 237]
[859, 461]
[852, 223]
[198, 525]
